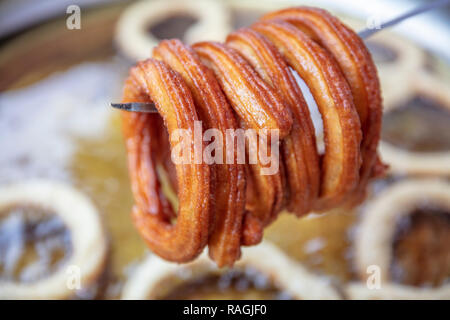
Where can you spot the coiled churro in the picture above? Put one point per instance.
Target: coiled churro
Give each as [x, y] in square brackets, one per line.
[248, 83]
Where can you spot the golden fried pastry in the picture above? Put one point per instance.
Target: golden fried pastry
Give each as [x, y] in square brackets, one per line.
[247, 83]
[156, 278]
[215, 112]
[375, 242]
[299, 147]
[133, 29]
[86, 259]
[358, 68]
[154, 80]
[342, 160]
[416, 158]
[260, 109]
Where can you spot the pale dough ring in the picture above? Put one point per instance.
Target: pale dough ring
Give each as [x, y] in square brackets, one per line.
[376, 232]
[404, 162]
[135, 41]
[89, 245]
[397, 77]
[286, 274]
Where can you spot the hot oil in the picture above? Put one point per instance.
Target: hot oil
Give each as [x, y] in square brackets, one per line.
[320, 241]
[421, 248]
[100, 170]
[34, 243]
[232, 284]
[421, 124]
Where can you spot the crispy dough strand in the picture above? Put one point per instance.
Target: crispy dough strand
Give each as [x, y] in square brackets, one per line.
[299, 147]
[185, 239]
[341, 161]
[358, 68]
[252, 99]
[265, 198]
[215, 112]
[248, 83]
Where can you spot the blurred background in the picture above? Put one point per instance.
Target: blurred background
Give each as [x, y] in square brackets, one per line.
[59, 70]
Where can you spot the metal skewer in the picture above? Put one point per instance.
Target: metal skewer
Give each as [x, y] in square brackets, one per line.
[423, 8]
[135, 106]
[364, 34]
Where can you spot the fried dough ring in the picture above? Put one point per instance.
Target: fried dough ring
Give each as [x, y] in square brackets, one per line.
[375, 237]
[265, 196]
[251, 74]
[304, 174]
[215, 112]
[225, 239]
[342, 159]
[260, 108]
[358, 68]
[155, 277]
[152, 80]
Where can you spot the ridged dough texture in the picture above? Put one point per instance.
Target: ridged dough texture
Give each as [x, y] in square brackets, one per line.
[247, 82]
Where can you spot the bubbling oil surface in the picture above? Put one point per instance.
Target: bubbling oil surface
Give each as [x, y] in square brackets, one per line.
[421, 248]
[33, 244]
[246, 284]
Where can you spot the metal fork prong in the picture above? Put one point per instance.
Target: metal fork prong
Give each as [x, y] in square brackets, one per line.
[135, 106]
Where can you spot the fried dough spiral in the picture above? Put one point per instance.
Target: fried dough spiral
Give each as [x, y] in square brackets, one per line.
[184, 240]
[355, 62]
[248, 82]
